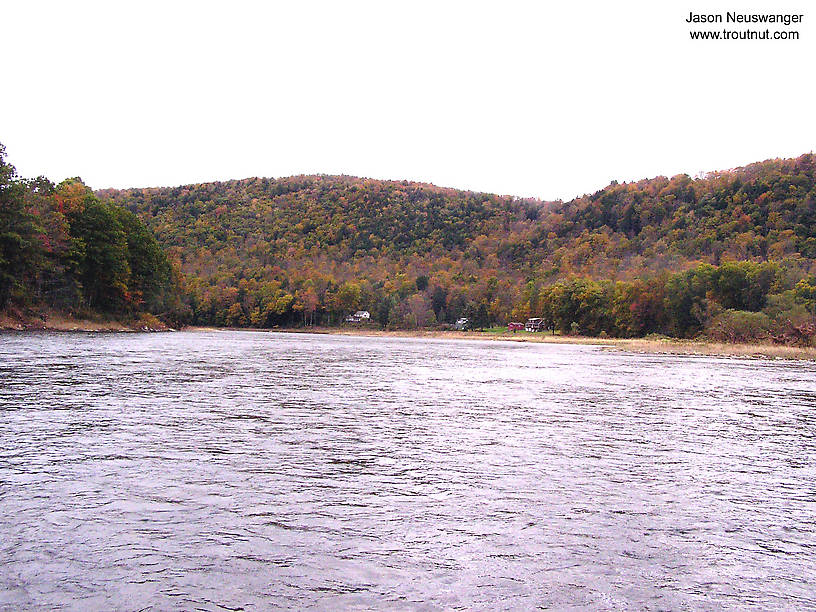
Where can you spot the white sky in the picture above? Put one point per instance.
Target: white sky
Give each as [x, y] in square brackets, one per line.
[547, 99]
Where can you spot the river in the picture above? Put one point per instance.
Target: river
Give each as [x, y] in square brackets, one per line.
[251, 470]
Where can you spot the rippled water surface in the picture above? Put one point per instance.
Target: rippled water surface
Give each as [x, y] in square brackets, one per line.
[240, 470]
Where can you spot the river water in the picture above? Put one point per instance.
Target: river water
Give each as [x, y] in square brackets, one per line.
[249, 470]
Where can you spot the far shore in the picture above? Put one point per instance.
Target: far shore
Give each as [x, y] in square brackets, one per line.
[662, 345]
[665, 346]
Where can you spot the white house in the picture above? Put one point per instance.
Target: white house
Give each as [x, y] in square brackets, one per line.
[358, 317]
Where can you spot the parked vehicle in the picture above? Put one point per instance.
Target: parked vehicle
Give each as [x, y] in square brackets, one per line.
[462, 324]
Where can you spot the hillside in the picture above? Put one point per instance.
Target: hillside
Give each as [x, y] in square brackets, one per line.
[304, 237]
[765, 211]
[312, 248]
[729, 254]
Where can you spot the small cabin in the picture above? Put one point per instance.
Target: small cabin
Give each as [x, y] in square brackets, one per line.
[515, 326]
[462, 324]
[536, 324]
[358, 317]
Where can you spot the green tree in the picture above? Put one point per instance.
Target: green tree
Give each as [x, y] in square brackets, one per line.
[478, 315]
[150, 282]
[347, 298]
[20, 251]
[103, 260]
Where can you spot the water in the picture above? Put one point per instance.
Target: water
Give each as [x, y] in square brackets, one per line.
[241, 470]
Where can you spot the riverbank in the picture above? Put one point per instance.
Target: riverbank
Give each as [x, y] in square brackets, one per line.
[50, 320]
[661, 345]
[54, 321]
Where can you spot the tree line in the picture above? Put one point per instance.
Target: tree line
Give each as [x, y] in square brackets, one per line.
[63, 247]
[736, 301]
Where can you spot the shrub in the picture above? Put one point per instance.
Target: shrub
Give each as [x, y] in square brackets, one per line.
[799, 331]
[739, 326]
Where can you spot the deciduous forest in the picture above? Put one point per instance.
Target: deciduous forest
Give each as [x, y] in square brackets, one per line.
[728, 254]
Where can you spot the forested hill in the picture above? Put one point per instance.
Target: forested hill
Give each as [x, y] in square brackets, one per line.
[269, 251]
[763, 211]
[342, 217]
[302, 238]
[730, 254]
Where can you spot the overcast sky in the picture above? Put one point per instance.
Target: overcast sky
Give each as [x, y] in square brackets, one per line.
[546, 99]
